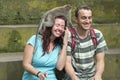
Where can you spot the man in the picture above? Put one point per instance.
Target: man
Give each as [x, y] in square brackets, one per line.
[86, 62]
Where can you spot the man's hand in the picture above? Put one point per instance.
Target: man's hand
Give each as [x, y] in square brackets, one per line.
[97, 77]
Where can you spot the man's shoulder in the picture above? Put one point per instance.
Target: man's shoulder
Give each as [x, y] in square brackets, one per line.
[97, 30]
[71, 30]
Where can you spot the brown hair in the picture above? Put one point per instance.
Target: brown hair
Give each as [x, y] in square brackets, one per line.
[47, 33]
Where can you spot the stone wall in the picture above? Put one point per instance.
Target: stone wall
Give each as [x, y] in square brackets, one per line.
[11, 70]
[112, 69]
[11, 67]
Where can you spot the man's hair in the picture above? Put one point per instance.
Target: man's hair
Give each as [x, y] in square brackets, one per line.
[85, 7]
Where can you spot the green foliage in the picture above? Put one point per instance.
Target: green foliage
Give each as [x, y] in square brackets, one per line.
[14, 39]
[4, 36]
[31, 11]
[26, 33]
[14, 42]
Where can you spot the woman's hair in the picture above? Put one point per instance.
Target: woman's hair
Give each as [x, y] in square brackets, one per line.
[47, 33]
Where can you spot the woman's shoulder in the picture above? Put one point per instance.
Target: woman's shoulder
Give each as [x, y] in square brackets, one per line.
[33, 38]
[36, 37]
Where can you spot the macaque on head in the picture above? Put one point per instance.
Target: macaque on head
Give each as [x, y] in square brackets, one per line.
[48, 18]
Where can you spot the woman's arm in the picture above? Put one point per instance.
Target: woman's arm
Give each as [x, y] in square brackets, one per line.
[27, 59]
[61, 59]
[62, 55]
[27, 62]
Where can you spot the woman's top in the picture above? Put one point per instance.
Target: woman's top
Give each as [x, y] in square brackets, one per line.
[43, 63]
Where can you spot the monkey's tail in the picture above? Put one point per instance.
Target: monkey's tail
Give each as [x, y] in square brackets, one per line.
[38, 31]
[40, 26]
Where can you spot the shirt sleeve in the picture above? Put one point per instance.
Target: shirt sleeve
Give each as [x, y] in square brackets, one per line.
[102, 45]
[69, 50]
[31, 41]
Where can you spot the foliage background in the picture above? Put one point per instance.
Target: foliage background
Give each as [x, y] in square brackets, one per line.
[31, 11]
[17, 12]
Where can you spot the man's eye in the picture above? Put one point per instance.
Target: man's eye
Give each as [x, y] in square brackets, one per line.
[83, 17]
[90, 17]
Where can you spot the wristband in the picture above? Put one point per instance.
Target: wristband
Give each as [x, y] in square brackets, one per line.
[38, 73]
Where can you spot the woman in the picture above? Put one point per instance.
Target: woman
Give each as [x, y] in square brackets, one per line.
[49, 53]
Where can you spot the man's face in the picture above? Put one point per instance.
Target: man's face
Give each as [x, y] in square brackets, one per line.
[84, 19]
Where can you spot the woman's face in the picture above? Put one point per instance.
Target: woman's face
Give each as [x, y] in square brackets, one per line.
[58, 27]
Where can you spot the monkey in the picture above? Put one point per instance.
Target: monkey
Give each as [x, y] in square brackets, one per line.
[47, 19]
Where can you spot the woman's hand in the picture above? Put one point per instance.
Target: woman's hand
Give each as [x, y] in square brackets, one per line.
[62, 56]
[42, 75]
[65, 37]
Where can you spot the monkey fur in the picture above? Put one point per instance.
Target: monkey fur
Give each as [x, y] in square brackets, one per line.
[47, 19]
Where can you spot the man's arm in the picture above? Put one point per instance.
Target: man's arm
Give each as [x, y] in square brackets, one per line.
[69, 69]
[99, 66]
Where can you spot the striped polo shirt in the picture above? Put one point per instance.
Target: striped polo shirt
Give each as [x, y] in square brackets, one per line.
[83, 56]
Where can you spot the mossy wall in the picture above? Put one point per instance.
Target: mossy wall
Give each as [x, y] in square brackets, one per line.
[14, 38]
[111, 34]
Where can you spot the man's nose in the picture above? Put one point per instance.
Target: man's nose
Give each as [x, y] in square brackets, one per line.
[87, 20]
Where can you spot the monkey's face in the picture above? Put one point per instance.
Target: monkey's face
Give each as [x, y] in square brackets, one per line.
[58, 28]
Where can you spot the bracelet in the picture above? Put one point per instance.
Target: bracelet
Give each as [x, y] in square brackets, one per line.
[38, 73]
